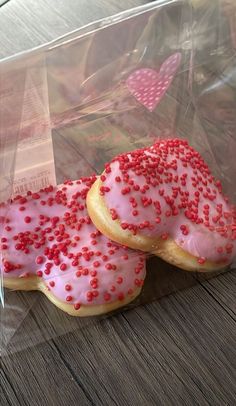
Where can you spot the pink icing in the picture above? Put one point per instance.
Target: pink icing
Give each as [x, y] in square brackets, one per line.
[49, 234]
[167, 190]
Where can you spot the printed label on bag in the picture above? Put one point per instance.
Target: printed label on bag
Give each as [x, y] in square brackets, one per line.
[34, 162]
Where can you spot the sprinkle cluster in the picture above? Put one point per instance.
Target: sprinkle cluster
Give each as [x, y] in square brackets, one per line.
[168, 190]
[49, 234]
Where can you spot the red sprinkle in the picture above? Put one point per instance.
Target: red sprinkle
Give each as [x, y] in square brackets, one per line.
[27, 219]
[52, 283]
[39, 260]
[201, 261]
[77, 306]
[63, 267]
[69, 298]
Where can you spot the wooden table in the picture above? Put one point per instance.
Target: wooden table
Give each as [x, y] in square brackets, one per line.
[177, 351]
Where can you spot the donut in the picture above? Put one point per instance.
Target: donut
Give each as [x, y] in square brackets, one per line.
[49, 244]
[163, 199]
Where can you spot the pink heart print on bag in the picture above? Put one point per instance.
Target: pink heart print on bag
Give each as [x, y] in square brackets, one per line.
[148, 86]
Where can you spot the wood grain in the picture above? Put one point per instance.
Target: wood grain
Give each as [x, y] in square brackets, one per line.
[223, 290]
[175, 352]
[2, 2]
[37, 22]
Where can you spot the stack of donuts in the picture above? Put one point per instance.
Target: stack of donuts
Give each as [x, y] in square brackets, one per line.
[84, 243]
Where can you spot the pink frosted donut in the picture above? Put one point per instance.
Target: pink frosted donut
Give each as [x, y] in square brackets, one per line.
[163, 199]
[50, 244]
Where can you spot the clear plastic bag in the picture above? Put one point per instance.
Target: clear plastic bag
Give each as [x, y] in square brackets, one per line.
[67, 108]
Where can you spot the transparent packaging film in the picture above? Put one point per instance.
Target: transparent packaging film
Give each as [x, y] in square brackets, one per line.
[163, 71]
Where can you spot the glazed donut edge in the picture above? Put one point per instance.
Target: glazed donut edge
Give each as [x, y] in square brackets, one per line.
[35, 284]
[167, 250]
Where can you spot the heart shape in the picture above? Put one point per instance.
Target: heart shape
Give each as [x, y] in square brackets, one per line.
[149, 86]
[49, 243]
